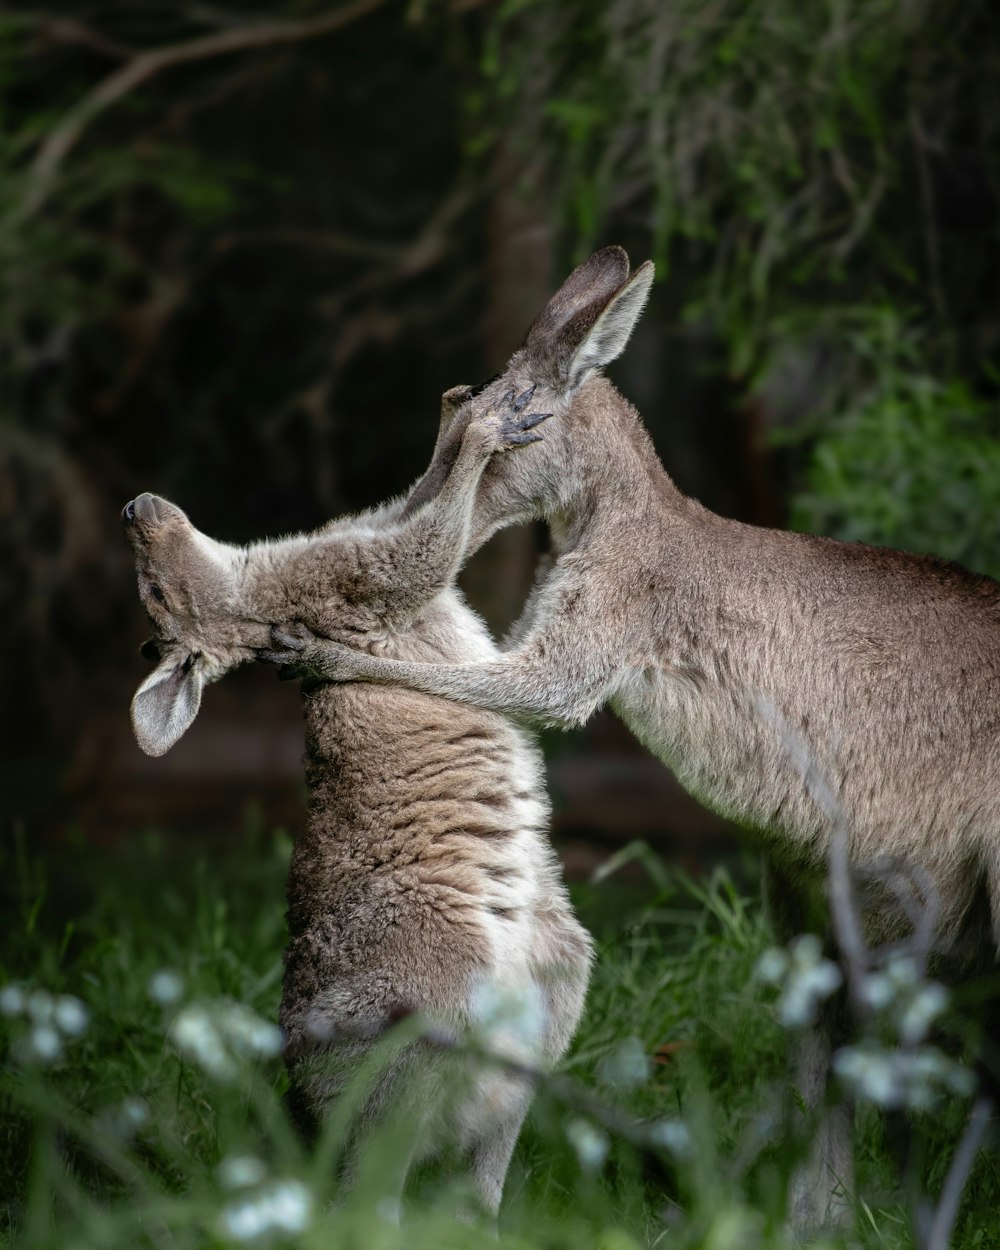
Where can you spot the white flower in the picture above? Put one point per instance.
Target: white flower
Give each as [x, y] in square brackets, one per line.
[248, 1033]
[165, 987]
[877, 991]
[805, 951]
[627, 1066]
[390, 1210]
[289, 1206]
[71, 1016]
[508, 1020]
[772, 966]
[902, 971]
[217, 1035]
[914, 1079]
[868, 1070]
[194, 1034]
[926, 1004]
[13, 1000]
[589, 1142]
[243, 1220]
[44, 1043]
[810, 980]
[133, 1114]
[240, 1171]
[672, 1135]
[283, 1207]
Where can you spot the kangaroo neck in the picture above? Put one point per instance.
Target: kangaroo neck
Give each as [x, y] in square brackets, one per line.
[268, 589]
[615, 471]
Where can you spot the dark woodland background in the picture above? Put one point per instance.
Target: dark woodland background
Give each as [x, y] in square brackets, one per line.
[245, 247]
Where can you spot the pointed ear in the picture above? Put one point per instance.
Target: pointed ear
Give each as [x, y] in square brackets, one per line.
[166, 703]
[451, 401]
[594, 334]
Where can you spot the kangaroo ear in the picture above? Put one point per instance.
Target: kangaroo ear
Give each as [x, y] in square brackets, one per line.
[451, 401]
[598, 318]
[166, 703]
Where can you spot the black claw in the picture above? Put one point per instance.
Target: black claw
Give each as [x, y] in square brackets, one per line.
[521, 439]
[507, 399]
[524, 399]
[532, 419]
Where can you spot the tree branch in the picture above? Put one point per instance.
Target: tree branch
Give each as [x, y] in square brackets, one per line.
[146, 65]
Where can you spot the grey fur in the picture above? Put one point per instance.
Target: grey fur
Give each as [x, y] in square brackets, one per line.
[423, 879]
[885, 664]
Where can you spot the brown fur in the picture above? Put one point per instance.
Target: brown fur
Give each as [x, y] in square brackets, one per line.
[423, 878]
[717, 642]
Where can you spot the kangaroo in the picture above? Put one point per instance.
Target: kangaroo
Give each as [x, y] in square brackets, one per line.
[884, 664]
[423, 880]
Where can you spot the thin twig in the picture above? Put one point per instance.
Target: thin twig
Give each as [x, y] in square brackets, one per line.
[69, 30]
[844, 915]
[146, 65]
[943, 1220]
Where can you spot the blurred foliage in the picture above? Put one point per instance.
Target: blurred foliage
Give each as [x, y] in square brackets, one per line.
[911, 460]
[670, 1123]
[806, 163]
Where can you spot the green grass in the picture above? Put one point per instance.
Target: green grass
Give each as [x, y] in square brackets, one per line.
[119, 1141]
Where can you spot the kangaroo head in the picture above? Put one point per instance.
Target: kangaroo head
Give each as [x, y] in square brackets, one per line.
[584, 326]
[189, 586]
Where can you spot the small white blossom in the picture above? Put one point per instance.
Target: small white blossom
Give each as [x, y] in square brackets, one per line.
[589, 1142]
[507, 1019]
[71, 1015]
[924, 1007]
[809, 980]
[44, 1043]
[248, 1033]
[243, 1220]
[289, 1206]
[672, 1135]
[13, 1000]
[284, 1206]
[194, 1034]
[216, 1036]
[869, 1072]
[133, 1114]
[772, 966]
[914, 1079]
[165, 987]
[240, 1171]
[627, 1066]
[390, 1210]
[902, 971]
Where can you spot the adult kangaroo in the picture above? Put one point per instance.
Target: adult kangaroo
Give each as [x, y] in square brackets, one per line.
[423, 880]
[884, 664]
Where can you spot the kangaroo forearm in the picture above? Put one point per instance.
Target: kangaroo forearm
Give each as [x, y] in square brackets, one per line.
[514, 686]
[428, 547]
[438, 472]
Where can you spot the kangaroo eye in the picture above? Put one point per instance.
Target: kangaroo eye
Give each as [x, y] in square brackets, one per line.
[157, 593]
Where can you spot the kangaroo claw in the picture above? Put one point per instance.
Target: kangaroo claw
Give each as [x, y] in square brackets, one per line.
[524, 399]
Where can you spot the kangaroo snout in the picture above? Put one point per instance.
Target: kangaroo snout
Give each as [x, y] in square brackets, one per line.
[146, 508]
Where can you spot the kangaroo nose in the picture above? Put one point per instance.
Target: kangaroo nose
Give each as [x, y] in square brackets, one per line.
[145, 509]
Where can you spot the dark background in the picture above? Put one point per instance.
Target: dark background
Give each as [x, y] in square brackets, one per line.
[244, 248]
